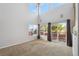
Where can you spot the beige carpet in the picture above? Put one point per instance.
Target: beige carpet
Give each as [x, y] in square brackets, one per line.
[37, 48]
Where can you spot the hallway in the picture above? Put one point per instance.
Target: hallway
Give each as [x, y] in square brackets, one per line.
[37, 48]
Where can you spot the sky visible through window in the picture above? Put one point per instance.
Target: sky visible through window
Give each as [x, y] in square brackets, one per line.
[44, 7]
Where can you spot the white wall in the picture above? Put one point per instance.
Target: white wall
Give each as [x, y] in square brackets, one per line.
[14, 21]
[75, 32]
[78, 28]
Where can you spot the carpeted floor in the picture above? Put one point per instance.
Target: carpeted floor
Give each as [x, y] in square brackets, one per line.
[37, 48]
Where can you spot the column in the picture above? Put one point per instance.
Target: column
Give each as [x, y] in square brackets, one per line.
[49, 32]
[38, 31]
[69, 36]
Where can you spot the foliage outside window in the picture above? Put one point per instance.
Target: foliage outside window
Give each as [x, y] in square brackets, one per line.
[58, 28]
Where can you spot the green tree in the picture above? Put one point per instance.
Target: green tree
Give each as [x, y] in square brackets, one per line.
[57, 28]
